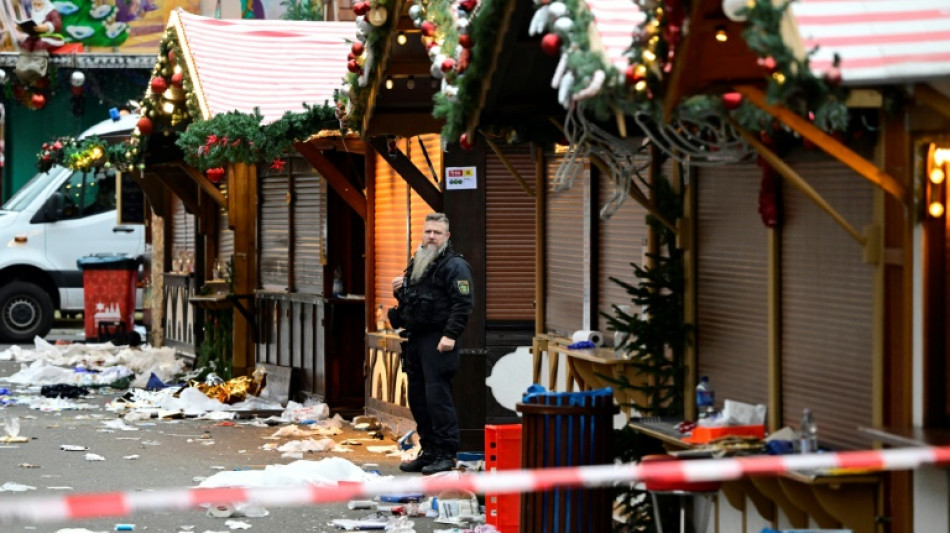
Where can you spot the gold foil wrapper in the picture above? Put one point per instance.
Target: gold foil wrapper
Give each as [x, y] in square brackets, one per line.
[234, 390]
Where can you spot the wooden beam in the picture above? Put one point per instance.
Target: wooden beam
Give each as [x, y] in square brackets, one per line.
[179, 185]
[353, 197]
[827, 143]
[381, 63]
[205, 185]
[413, 176]
[932, 98]
[798, 182]
[495, 62]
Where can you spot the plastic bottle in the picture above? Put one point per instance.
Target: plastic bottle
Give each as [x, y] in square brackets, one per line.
[705, 398]
[809, 433]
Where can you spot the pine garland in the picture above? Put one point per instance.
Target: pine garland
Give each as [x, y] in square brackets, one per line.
[792, 83]
[237, 137]
[354, 98]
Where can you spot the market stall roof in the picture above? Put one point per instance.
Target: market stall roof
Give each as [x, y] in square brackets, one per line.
[879, 41]
[274, 65]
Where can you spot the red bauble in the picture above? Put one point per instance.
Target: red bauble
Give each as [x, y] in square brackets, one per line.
[159, 85]
[468, 5]
[465, 143]
[350, 56]
[177, 79]
[551, 44]
[215, 175]
[357, 48]
[171, 57]
[731, 101]
[447, 64]
[38, 101]
[145, 126]
[465, 57]
[353, 66]
[466, 40]
[427, 28]
[57, 145]
[634, 74]
[833, 76]
[361, 8]
[768, 63]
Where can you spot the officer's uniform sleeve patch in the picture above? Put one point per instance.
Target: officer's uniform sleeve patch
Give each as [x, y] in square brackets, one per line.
[463, 286]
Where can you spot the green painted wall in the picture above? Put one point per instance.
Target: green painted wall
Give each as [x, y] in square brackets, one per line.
[26, 130]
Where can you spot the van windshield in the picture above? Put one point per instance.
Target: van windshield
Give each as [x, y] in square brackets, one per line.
[33, 188]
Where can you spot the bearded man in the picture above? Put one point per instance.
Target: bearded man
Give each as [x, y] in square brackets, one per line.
[435, 301]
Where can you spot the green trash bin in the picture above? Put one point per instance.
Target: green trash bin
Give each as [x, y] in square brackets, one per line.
[567, 429]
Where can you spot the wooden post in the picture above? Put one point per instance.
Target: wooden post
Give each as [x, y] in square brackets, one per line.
[242, 196]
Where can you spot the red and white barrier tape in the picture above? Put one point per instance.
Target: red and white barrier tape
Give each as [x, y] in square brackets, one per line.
[114, 504]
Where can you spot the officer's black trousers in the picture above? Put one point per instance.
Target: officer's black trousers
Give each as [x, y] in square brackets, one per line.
[430, 374]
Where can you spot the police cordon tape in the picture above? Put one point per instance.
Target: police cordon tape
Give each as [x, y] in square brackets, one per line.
[114, 504]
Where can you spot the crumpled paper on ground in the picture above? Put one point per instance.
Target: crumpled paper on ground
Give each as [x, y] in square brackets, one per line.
[328, 471]
[41, 372]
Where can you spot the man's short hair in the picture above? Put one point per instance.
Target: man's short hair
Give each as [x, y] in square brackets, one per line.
[438, 217]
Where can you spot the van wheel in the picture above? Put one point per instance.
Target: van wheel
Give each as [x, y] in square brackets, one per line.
[26, 311]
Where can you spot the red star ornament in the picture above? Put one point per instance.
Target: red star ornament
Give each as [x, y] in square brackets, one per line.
[278, 164]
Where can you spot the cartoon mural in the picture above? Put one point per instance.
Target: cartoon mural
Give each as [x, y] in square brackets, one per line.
[125, 26]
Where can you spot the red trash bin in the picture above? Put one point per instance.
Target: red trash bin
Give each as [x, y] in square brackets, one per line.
[108, 283]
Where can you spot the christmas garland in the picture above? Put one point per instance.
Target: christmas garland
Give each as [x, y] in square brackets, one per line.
[457, 106]
[237, 137]
[352, 100]
[791, 82]
[76, 154]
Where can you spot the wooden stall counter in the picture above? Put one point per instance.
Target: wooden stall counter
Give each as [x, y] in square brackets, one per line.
[827, 499]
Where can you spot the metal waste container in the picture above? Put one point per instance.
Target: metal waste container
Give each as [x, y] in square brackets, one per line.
[566, 429]
[108, 283]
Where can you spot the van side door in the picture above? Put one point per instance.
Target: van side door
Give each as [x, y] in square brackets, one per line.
[87, 225]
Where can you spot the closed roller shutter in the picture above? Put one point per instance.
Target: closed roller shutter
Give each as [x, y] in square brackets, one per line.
[418, 208]
[567, 245]
[509, 237]
[309, 219]
[827, 302]
[732, 282]
[391, 231]
[183, 229]
[225, 238]
[274, 232]
[623, 237]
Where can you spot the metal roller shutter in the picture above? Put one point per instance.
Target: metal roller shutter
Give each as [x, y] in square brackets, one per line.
[309, 220]
[391, 230]
[225, 238]
[509, 237]
[567, 295]
[623, 238]
[273, 250]
[418, 208]
[183, 228]
[827, 303]
[732, 282]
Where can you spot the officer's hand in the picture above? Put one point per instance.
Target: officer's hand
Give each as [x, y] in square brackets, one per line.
[397, 283]
[446, 344]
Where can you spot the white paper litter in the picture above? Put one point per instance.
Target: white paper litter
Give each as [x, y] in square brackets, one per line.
[328, 471]
[94, 457]
[10, 486]
[42, 372]
[308, 445]
[237, 524]
[118, 423]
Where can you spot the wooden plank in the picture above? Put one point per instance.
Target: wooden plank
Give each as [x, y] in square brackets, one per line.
[413, 176]
[827, 143]
[349, 144]
[353, 197]
[180, 186]
[243, 188]
[370, 243]
[932, 98]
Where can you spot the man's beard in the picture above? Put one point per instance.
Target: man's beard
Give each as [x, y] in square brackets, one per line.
[423, 258]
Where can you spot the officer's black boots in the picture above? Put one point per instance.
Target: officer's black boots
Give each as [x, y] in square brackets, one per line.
[424, 459]
[443, 463]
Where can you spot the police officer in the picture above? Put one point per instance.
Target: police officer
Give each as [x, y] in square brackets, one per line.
[434, 302]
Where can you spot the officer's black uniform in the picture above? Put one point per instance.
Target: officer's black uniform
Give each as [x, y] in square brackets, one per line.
[437, 304]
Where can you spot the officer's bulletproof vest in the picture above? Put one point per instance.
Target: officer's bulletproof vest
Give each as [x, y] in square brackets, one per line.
[424, 304]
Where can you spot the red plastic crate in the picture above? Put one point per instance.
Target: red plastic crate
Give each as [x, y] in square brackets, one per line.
[503, 452]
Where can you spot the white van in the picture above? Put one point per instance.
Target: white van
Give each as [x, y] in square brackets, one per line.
[46, 227]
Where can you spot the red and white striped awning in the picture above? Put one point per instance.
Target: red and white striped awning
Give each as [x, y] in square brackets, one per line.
[615, 22]
[877, 40]
[274, 65]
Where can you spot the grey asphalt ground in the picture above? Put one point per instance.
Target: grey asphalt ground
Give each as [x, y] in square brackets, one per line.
[180, 456]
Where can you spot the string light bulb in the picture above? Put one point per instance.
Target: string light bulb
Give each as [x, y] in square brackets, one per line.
[401, 38]
[721, 35]
[935, 209]
[389, 83]
[411, 82]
